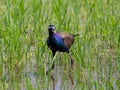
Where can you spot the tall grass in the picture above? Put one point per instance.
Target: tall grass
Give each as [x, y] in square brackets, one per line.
[24, 56]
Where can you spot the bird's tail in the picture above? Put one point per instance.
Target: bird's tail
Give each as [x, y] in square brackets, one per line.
[76, 35]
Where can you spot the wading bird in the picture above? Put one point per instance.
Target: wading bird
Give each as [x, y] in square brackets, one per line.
[59, 41]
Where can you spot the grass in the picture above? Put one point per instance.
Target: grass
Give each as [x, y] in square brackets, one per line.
[24, 56]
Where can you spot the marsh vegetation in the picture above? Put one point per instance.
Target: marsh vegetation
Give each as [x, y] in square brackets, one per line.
[24, 56]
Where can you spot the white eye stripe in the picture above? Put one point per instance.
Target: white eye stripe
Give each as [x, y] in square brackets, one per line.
[51, 27]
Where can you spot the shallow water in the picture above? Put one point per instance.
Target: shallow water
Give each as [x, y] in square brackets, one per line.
[63, 75]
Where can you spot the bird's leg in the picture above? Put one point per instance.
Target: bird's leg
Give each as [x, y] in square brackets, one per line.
[53, 80]
[71, 60]
[71, 69]
[53, 63]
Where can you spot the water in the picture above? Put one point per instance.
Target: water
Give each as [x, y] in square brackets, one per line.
[63, 77]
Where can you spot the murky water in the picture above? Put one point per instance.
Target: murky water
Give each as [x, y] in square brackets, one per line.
[63, 77]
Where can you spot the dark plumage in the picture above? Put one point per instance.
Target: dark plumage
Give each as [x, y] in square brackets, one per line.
[59, 41]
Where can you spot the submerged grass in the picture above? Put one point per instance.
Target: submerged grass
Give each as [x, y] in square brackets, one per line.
[24, 56]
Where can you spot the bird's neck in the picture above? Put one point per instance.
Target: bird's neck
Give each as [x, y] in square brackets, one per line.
[51, 33]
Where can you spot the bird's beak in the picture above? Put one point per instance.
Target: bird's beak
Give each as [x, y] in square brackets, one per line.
[53, 31]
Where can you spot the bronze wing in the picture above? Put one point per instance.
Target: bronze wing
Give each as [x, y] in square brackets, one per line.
[68, 38]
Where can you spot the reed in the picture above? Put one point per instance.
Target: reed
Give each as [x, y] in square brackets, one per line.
[24, 56]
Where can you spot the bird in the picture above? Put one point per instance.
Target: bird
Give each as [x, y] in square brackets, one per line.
[59, 41]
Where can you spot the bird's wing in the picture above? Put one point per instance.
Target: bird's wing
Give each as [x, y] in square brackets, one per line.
[68, 39]
[60, 42]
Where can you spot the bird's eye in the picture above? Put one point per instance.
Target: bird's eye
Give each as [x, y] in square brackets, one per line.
[51, 27]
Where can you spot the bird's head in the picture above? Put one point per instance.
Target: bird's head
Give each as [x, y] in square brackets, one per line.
[51, 29]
